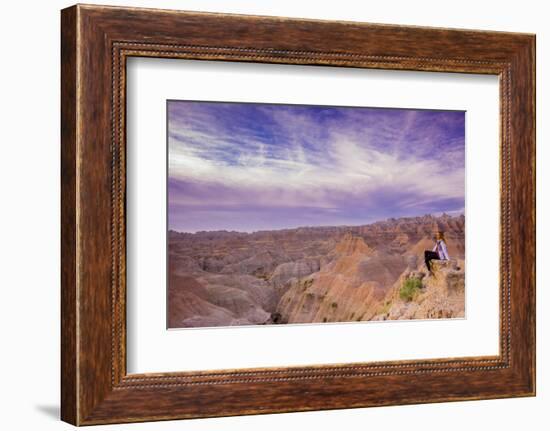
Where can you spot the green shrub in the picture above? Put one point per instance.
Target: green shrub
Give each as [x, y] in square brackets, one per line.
[411, 287]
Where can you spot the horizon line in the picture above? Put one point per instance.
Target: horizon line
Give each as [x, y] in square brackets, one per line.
[319, 226]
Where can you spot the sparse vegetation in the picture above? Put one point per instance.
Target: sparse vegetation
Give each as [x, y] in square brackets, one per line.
[334, 305]
[305, 284]
[410, 289]
[385, 308]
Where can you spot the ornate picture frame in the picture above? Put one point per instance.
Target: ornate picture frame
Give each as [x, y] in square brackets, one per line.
[96, 41]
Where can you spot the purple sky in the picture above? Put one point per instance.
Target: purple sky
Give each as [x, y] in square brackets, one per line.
[248, 167]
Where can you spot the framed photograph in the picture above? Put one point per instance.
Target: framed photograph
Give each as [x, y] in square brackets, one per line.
[263, 214]
[288, 214]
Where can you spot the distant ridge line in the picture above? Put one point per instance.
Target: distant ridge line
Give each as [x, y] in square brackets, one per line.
[425, 217]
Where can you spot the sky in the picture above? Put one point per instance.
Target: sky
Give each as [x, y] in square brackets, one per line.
[249, 167]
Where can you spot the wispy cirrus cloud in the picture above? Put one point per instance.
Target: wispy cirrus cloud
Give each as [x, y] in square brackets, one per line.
[248, 167]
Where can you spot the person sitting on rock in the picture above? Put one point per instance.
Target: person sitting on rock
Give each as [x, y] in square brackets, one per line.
[439, 251]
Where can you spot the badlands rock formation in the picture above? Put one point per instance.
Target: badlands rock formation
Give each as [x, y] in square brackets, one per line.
[441, 294]
[314, 274]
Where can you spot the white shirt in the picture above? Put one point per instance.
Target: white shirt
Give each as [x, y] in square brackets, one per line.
[441, 248]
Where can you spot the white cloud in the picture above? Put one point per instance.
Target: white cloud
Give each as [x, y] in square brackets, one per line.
[311, 164]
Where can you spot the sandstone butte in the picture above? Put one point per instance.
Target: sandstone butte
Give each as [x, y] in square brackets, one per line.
[315, 274]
